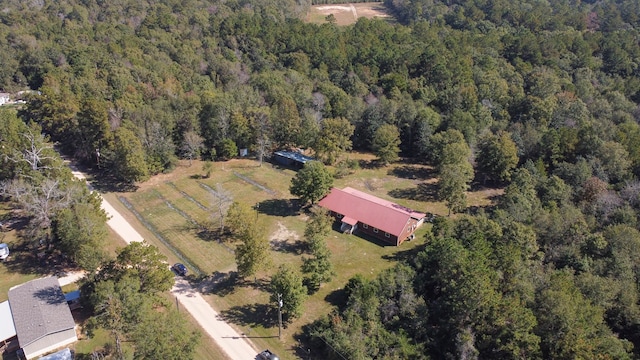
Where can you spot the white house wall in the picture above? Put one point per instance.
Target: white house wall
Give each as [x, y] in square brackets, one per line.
[49, 343]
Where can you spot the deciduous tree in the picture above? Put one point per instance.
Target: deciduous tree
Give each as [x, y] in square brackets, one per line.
[252, 254]
[129, 158]
[318, 227]
[318, 268]
[312, 182]
[227, 149]
[287, 283]
[143, 261]
[497, 156]
[164, 335]
[237, 220]
[386, 143]
[192, 145]
[81, 230]
[334, 139]
[221, 199]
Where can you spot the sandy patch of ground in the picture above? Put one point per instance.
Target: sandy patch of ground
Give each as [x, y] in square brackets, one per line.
[346, 14]
[329, 8]
[282, 234]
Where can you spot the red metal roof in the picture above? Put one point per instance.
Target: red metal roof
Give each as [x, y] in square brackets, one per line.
[350, 221]
[368, 209]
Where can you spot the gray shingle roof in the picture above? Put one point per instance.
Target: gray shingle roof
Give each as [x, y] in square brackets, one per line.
[39, 308]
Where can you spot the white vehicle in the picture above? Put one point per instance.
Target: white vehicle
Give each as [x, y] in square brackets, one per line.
[4, 251]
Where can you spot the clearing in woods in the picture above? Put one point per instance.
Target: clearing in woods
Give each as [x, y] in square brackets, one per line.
[347, 14]
[182, 207]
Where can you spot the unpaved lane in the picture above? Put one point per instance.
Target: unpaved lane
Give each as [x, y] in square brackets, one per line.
[233, 344]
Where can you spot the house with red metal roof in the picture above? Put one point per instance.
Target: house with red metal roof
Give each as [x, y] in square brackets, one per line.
[371, 215]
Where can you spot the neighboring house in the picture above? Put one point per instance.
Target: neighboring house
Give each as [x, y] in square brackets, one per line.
[292, 159]
[41, 316]
[4, 98]
[368, 214]
[8, 338]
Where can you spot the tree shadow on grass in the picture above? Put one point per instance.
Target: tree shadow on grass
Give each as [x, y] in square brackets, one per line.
[371, 164]
[297, 247]
[423, 192]
[337, 298]
[412, 172]
[251, 315]
[219, 283]
[223, 284]
[405, 256]
[204, 233]
[279, 207]
[31, 261]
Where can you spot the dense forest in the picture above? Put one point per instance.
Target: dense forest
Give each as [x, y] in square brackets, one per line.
[539, 97]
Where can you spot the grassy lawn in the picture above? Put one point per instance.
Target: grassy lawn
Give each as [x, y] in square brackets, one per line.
[179, 205]
[21, 265]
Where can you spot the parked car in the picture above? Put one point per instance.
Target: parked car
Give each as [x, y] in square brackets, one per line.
[4, 251]
[268, 355]
[179, 269]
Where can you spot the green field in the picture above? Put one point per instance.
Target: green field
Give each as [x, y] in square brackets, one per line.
[178, 206]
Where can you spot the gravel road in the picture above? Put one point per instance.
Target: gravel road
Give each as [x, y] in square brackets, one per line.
[236, 346]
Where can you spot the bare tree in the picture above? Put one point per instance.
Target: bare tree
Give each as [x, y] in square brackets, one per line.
[263, 145]
[262, 129]
[192, 145]
[39, 202]
[37, 153]
[220, 202]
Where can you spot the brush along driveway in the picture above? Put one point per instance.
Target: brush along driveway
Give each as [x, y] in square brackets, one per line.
[233, 344]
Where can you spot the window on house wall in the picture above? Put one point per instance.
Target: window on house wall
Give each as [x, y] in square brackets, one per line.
[365, 226]
[375, 230]
[386, 234]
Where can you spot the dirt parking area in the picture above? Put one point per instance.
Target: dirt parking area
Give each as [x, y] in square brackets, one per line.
[347, 14]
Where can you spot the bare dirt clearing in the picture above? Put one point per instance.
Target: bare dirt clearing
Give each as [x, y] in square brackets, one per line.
[347, 14]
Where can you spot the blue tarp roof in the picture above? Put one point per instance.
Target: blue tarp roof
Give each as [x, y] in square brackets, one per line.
[60, 355]
[296, 156]
[72, 295]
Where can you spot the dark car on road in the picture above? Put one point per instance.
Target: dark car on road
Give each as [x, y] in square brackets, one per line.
[179, 269]
[268, 355]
